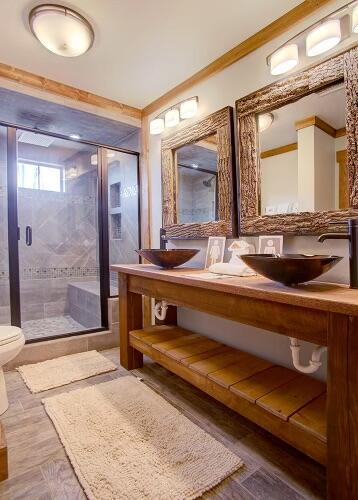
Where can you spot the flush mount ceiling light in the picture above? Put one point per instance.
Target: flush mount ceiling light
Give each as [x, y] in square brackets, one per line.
[355, 20]
[61, 30]
[265, 121]
[75, 137]
[324, 37]
[284, 59]
[172, 116]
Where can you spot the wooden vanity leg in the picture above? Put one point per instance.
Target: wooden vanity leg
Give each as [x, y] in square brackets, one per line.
[130, 318]
[353, 402]
[338, 440]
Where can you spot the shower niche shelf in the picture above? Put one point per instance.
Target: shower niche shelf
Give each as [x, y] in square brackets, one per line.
[286, 403]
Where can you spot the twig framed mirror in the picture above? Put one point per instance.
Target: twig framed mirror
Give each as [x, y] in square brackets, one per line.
[298, 150]
[198, 179]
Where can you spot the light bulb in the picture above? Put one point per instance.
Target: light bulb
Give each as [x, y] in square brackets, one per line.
[172, 118]
[189, 108]
[324, 37]
[284, 59]
[156, 126]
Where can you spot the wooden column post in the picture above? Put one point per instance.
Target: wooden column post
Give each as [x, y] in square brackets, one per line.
[338, 438]
[130, 318]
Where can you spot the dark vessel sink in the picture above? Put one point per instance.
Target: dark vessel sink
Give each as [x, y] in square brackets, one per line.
[167, 258]
[290, 269]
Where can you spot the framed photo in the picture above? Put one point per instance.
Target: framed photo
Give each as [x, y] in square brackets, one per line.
[271, 244]
[215, 250]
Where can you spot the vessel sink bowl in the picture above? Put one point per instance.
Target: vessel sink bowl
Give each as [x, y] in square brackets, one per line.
[167, 259]
[290, 269]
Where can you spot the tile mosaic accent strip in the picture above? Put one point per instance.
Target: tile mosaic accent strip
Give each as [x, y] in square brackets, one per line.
[31, 273]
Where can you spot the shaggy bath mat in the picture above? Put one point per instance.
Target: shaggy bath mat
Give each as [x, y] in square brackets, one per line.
[64, 370]
[126, 442]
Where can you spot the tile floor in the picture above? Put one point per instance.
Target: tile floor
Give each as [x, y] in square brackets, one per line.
[40, 470]
[49, 327]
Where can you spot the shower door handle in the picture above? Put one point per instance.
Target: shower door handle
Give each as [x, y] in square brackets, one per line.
[28, 236]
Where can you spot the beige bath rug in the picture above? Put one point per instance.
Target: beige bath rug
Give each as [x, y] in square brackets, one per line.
[126, 442]
[64, 370]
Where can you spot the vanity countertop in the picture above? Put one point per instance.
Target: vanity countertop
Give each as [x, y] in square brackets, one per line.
[322, 296]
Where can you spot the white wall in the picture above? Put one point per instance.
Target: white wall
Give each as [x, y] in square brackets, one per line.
[279, 179]
[238, 80]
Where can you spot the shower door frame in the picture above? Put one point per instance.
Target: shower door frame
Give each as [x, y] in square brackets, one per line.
[102, 220]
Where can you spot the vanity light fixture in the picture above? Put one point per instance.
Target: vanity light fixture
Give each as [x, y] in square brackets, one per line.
[320, 37]
[189, 108]
[355, 19]
[265, 121]
[171, 117]
[156, 126]
[61, 30]
[284, 59]
[324, 37]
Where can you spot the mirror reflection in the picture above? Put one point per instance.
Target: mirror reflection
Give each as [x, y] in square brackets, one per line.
[303, 151]
[197, 181]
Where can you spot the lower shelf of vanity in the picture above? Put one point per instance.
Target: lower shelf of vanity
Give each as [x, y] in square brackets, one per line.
[288, 404]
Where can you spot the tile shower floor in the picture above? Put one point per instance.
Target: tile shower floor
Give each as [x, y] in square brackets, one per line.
[49, 327]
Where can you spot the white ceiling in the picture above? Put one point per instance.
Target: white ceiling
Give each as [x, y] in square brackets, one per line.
[330, 106]
[143, 48]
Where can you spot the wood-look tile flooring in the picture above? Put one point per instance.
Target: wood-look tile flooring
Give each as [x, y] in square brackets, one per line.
[39, 468]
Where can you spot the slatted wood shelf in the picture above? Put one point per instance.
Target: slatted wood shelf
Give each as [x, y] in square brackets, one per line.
[290, 405]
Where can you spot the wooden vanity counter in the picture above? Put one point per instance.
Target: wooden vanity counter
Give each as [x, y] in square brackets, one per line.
[321, 313]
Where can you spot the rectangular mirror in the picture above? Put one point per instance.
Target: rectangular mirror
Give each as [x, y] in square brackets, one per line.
[297, 148]
[199, 179]
[197, 172]
[300, 148]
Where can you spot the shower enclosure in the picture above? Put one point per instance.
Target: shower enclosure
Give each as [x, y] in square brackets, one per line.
[68, 209]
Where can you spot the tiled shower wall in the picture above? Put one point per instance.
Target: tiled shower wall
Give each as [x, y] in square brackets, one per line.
[64, 248]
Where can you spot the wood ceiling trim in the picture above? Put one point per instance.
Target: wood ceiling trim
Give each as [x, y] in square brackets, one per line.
[280, 150]
[63, 90]
[241, 50]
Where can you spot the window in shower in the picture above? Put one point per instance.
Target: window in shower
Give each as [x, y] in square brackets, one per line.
[47, 178]
[123, 210]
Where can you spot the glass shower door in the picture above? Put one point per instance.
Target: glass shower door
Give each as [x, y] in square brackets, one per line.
[5, 315]
[59, 243]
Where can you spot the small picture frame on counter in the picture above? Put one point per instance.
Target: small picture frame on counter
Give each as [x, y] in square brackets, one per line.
[215, 250]
[271, 244]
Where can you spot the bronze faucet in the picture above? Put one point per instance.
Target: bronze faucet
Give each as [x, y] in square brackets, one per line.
[352, 237]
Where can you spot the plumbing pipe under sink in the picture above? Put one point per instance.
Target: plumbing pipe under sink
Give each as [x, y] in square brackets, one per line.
[160, 310]
[315, 361]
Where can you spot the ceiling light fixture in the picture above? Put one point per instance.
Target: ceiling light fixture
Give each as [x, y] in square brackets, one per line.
[355, 20]
[284, 59]
[171, 117]
[61, 30]
[265, 121]
[75, 137]
[324, 37]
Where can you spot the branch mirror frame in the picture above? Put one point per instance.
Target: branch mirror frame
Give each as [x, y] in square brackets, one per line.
[220, 123]
[342, 67]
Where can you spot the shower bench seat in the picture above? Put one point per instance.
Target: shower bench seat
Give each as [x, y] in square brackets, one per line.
[294, 410]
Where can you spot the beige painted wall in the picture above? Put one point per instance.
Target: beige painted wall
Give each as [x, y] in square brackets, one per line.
[222, 90]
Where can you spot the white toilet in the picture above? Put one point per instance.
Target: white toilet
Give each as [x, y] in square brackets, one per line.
[12, 340]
